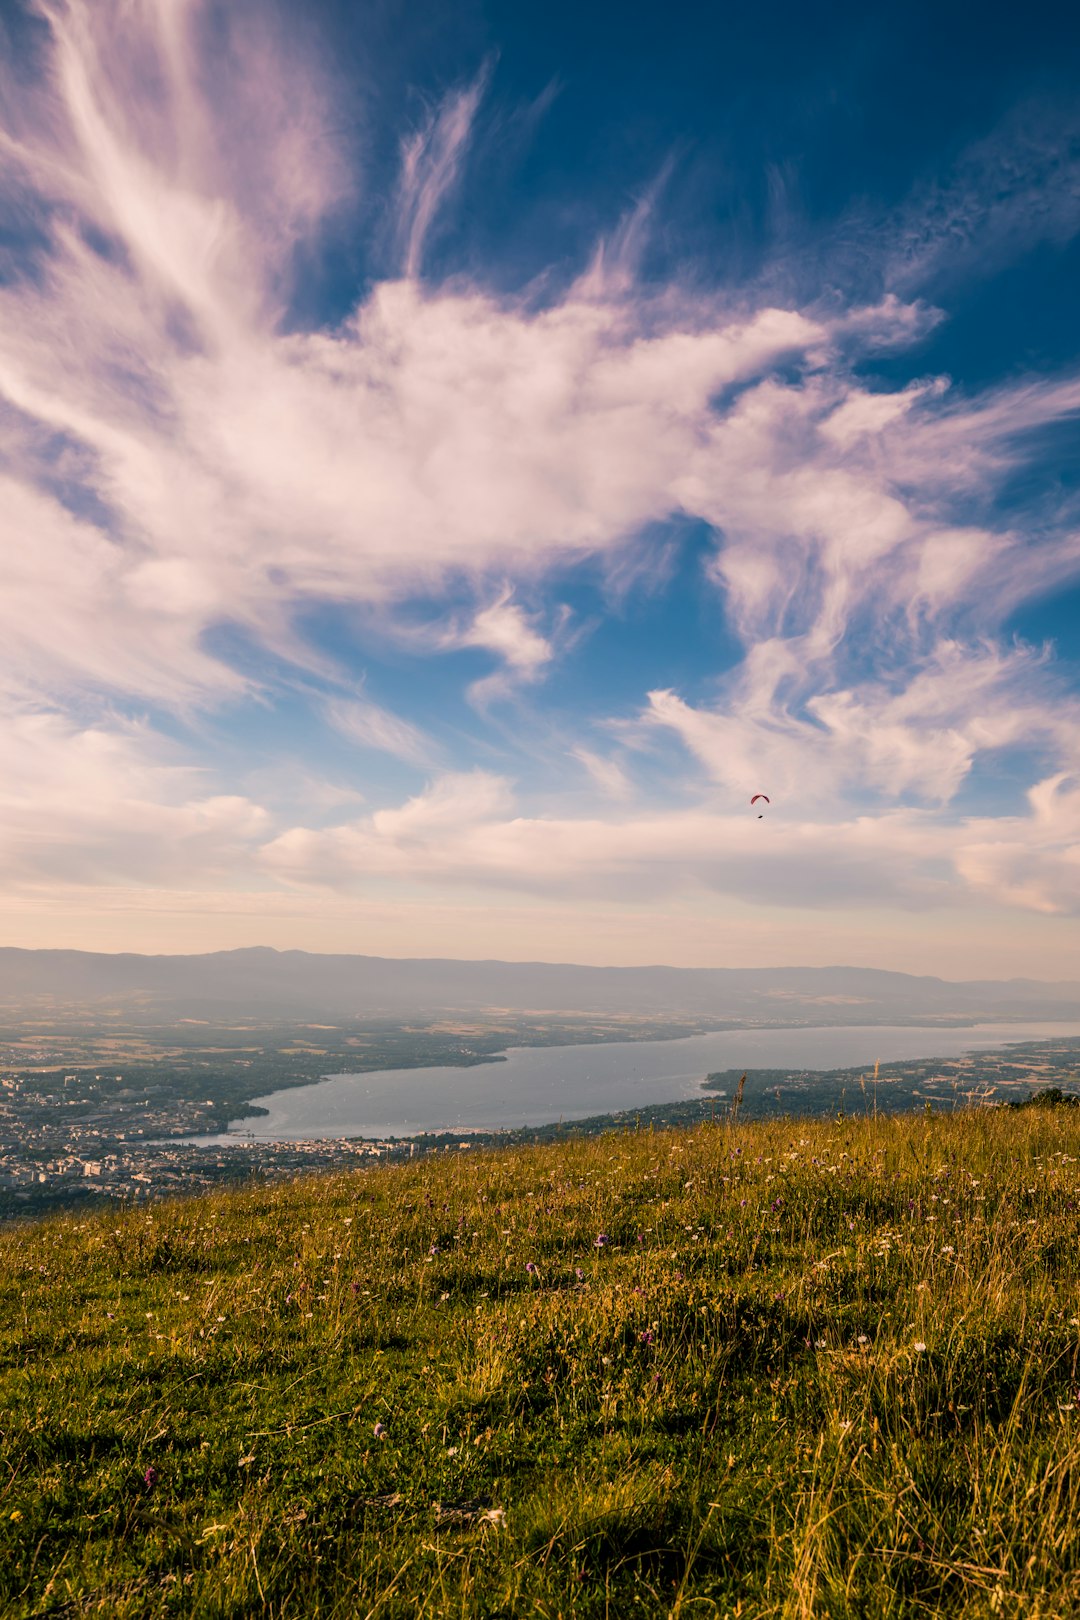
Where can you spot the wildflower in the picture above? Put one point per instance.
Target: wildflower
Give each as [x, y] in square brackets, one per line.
[648, 1337]
[919, 1345]
[15, 1516]
[579, 1274]
[601, 1239]
[863, 1339]
[530, 1268]
[380, 1431]
[150, 1477]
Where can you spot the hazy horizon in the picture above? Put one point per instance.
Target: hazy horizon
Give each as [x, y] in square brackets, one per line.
[526, 961]
[271, 987]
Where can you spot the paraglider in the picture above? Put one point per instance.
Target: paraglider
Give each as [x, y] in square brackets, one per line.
[755, 799]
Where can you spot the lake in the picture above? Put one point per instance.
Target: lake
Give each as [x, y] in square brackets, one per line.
[537, 1085]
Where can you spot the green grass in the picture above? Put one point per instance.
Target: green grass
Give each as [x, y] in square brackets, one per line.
[722, 1410]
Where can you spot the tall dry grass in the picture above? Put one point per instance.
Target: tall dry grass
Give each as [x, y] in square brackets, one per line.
[790, 1369]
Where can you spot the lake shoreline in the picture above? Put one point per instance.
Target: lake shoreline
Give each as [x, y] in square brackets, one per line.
[541, 1085]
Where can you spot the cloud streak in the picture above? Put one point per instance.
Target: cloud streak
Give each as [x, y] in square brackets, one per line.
[371, 726]
[463, 829]
[431, 163]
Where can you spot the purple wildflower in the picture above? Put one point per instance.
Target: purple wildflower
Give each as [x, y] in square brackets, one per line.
[380, 1431]
[648, 1337]
[601, 1239]
[150, 1477]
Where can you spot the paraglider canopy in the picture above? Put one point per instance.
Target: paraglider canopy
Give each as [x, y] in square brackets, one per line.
[755, 799]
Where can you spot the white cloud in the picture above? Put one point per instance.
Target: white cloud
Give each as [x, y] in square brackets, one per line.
[431, 161]
[438, 433]
[608, 775]
[375, 727]
[506, 630]
[107, 803]
[175, 456]
[1030, 862]
[464, 830]
[918, 738]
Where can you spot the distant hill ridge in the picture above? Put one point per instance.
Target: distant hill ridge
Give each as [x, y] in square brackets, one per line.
[263, 982]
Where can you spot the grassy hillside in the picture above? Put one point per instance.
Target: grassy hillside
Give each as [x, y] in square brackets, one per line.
[785, 1369]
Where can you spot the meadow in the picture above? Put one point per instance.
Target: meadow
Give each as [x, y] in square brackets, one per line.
[794, 1368]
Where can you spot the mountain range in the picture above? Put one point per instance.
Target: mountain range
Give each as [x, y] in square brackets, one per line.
[268, 984]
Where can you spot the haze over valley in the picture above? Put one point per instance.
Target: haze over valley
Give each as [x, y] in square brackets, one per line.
[279, 985]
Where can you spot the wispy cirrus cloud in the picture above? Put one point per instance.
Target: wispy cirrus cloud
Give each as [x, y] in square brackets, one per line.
[1015, 187]
[431, 162]
[372, 726]
[606, 772]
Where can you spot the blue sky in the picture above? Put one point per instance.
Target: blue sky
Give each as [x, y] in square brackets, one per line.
[452, 456]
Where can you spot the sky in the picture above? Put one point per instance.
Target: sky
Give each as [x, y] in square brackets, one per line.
[454, 454]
